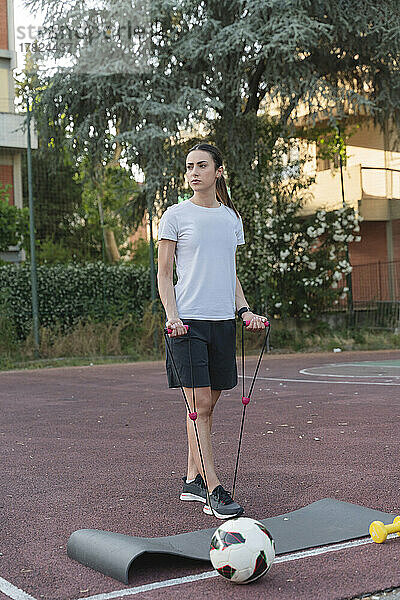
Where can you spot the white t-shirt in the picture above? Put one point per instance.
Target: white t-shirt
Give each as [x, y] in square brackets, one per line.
[205, 258]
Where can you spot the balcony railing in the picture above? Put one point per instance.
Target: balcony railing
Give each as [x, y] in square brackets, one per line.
[374, 191]
[12, 134]
[380, 182]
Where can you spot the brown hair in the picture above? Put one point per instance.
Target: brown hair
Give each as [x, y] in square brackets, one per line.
[221, 189]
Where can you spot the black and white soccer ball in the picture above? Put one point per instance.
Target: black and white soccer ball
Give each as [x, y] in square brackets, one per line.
[242, 550]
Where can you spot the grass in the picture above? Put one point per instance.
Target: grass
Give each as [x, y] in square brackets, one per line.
[92, 343]
[325, 341]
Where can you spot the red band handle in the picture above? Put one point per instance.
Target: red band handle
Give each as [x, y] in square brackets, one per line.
[169, 330]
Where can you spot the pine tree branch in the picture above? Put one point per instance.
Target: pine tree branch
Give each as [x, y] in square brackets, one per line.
[254, 99]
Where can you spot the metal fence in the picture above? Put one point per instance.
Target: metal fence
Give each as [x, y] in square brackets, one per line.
[375, 296]
[376, 282]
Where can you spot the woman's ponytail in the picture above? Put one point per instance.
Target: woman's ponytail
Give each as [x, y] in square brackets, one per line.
[223, 194]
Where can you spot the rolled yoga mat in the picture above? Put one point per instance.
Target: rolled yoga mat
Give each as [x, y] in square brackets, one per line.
[326, 521]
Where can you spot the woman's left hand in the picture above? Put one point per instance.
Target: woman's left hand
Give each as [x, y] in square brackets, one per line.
[256, 321]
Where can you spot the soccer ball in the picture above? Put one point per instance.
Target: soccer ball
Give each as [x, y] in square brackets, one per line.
[242, 550]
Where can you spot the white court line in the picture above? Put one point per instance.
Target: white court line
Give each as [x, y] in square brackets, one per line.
[11, 591]
[360, 364]
[305, 372]
[319, 381]
[209, 574]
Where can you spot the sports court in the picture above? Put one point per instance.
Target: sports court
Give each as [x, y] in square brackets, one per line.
[103, 447]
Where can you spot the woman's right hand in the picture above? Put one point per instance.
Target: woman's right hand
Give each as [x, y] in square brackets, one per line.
[177, 327]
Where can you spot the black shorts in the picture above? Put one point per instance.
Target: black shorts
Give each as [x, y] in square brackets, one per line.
[213, 352]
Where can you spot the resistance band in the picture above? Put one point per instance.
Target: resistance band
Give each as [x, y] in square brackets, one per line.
[192, 414]
[246, 399]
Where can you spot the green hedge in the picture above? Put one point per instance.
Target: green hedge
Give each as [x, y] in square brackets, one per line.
[71, 293]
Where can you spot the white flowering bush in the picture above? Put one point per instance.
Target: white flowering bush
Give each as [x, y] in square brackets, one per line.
[292, 266]
[68, 294]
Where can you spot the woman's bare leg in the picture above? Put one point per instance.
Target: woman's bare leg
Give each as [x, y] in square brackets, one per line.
[205, 403]
[215, 394]
[192, 467]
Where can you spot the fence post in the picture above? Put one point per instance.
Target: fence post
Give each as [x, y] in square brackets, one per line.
[379, 281]
[35, 309]
[152, 269]
[348, 276]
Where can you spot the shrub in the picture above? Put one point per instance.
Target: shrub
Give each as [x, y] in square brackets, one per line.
[71, 293]
[13, 221]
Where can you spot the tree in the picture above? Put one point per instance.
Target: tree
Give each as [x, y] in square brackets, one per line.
[107, 193]
[175, 63]
[178, 65]
[70, 190]
[56, 191]
[294, 265]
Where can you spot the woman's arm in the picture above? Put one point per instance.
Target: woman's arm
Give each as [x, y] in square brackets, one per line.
[166, 251]
[239, 295]
[256, 321]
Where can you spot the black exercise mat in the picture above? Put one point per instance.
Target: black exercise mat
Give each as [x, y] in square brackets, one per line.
[326, 521]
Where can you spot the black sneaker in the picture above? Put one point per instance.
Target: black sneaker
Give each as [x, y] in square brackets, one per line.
[195, 490]
[222, 505]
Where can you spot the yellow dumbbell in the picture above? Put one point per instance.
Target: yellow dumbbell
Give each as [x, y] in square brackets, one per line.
[379, 532]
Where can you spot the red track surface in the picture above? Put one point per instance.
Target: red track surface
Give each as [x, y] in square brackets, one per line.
[104, 447]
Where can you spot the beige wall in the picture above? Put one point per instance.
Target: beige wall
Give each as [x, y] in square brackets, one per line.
[375, 192]
[326, 192]
[4, 90]
[366, 148]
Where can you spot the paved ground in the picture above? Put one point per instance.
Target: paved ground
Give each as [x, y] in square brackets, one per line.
[104, 447]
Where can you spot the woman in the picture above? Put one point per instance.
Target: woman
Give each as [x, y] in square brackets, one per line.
[202, 234]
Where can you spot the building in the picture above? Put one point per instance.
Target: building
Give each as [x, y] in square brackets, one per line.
[371, 184]
[13, 141]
